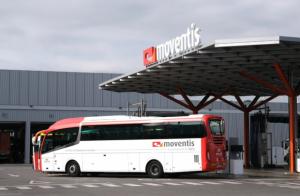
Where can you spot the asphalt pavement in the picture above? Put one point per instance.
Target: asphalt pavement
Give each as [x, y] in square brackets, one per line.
[22, 180]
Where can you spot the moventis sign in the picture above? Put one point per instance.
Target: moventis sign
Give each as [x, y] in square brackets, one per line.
[187, 41]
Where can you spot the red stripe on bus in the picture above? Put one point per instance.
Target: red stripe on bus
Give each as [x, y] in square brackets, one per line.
[203, 153]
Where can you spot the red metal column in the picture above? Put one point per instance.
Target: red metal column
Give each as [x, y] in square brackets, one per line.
[246, 110]
[288, 84]
[288, 90]
[246, 139]
[292, 113]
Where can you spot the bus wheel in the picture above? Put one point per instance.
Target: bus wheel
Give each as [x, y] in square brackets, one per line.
[154, 169]
[73, 168]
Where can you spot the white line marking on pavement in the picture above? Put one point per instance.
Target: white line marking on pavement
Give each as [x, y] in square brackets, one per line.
[109, 184]
[265, 183]
[192, 183]
[230, 182]
[14, 175]
[265, 179]
[23, 187]
[46, 187]
[208, 182]
[3, 189]
[150, 179]
[38, 182]
[90, 185]
[129, 184]
[151, 184]
[161, 179]
[289, 186]
[68, 186]
[293, 183]
[172, 183]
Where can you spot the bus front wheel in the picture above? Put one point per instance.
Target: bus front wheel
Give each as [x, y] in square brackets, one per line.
[154, 169]
[73, 168]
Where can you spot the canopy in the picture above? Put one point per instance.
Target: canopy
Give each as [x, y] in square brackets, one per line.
[218, 67]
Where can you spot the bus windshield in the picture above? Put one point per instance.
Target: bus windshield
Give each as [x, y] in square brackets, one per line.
[217, 126]
[37, 142]
[60, 138]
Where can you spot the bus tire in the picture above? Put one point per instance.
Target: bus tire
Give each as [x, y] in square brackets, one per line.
[73, 168]
[154, 169]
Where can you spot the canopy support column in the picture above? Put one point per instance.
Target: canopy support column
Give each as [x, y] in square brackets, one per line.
[290, 91]
[187, 103]
[246, 139]
[176, 101]
[292, 127]
[246, 110]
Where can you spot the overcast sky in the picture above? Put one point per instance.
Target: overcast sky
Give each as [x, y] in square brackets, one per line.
[109, 36]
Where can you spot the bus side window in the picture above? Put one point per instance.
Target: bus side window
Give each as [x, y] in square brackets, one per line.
[153, 131]
[173, 130]
[193, 130]
[146, 132]
[133, 131]
[89, 133]
[104, 133]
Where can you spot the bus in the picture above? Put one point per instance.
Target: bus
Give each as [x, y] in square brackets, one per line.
[151, 145]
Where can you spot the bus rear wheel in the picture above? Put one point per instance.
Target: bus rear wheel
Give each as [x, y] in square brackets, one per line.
[73, 168]
[154, 169]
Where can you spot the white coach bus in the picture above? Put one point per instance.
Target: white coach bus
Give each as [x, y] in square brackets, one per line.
[153, 145]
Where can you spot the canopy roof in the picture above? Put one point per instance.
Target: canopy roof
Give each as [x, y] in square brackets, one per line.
[218, 67]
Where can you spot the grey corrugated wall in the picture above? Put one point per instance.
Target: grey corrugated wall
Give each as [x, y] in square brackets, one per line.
[38, 88]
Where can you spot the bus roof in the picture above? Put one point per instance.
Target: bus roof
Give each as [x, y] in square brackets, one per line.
[66, 123]
[122, 119]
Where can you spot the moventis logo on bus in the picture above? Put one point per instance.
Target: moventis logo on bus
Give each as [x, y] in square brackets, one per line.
[180, 143]
[157, 144]
[189, 40]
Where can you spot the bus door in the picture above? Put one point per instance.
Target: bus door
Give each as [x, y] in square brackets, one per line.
[36, 155]
[47, 156]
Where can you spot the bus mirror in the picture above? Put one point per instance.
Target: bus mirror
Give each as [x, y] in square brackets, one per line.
[39, 140]
[34, 141]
